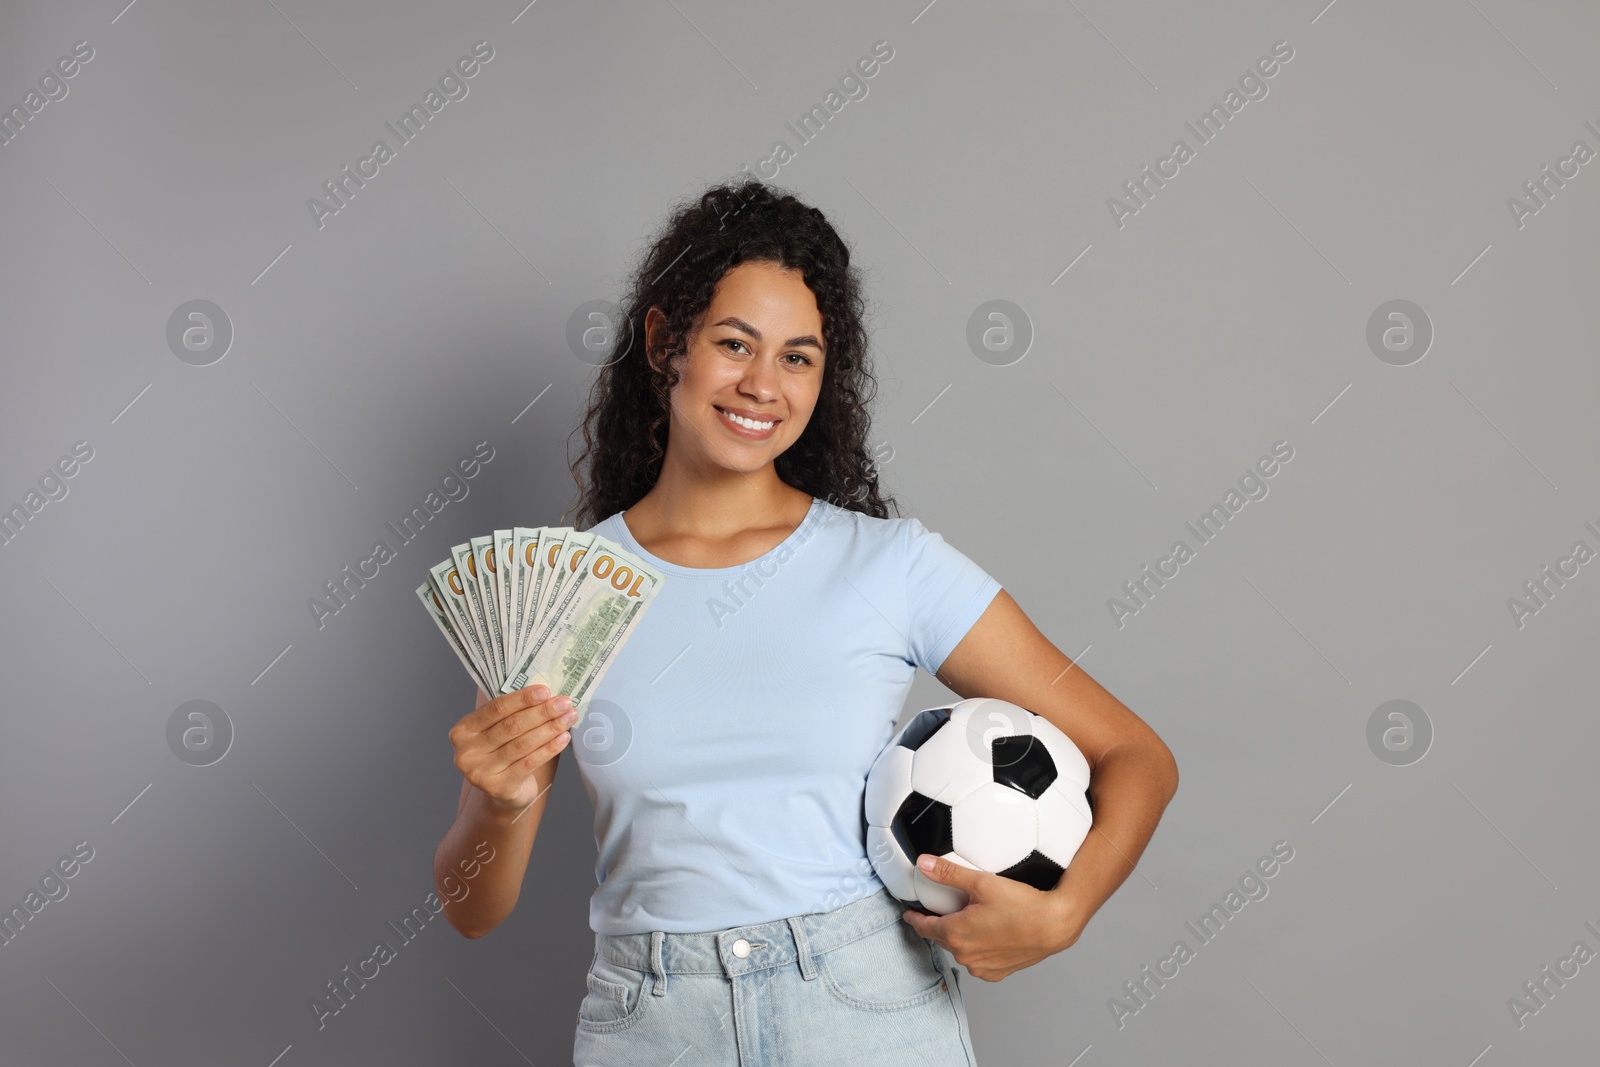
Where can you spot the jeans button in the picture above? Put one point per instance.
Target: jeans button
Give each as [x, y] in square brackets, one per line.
[741, 948]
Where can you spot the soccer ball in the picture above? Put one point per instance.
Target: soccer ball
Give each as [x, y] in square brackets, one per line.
[983, 783]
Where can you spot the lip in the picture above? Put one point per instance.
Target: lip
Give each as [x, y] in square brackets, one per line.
[748, 434]
[758, 416]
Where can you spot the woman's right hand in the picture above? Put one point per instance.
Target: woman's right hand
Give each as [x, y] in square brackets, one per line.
[500, 743]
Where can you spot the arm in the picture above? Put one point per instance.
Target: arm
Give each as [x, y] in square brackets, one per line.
[479, 864]
[1132, 773]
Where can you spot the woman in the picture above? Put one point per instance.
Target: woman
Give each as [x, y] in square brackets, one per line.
[735, 730]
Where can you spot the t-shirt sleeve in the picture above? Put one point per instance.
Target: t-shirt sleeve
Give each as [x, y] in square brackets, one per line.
[945, 594]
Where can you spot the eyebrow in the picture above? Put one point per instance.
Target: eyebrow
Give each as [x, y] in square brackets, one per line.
[807, 340]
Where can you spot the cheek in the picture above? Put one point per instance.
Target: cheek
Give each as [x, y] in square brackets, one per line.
[803, 402]
[800, 416]
[703, 377]
[691, 381]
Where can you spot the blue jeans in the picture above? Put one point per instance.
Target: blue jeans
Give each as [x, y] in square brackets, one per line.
[856, 985]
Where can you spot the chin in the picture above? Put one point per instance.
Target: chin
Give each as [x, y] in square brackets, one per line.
[750, 467]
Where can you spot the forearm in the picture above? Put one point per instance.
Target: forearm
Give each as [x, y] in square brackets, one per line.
[480, 862]
[1130, 787]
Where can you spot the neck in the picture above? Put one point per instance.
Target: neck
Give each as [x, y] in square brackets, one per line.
[717, 503]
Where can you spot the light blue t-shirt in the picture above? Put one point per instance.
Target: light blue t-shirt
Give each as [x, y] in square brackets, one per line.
[735, 729]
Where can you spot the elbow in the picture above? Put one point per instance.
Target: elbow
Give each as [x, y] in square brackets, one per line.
[1162, 767]
[471, 933]
[1170, 778]
[463, 921]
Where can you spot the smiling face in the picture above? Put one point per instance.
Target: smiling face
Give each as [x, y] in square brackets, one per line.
[752, 371]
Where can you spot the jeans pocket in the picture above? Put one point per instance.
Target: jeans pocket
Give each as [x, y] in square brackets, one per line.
[890, 969]
[615, 998]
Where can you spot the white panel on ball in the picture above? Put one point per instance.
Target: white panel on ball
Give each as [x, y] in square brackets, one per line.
[995, 827]
[989, 717]
[1064, 821]
[945, 768]
[888, 784]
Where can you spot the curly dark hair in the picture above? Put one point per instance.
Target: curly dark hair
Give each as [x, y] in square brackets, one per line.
[625, 426]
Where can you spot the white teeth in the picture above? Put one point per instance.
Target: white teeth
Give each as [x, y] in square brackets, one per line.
[749, 424]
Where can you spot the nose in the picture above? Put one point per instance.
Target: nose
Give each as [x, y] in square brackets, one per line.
[760, 382]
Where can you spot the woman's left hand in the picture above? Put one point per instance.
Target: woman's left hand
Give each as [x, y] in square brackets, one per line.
[1007, 925]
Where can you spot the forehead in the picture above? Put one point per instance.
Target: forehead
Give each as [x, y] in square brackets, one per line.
[765, 290]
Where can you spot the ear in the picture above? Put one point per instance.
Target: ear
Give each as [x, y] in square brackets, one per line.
[655, 322]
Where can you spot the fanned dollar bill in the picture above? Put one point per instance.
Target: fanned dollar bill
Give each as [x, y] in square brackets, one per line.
[451, 591]
[604, 593]
[461, 556]
[525, 562]
[502, 571]
[568, 567]
[437, 612]
[534, 605]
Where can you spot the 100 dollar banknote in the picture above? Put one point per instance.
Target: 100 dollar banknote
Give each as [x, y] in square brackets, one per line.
[603, 592]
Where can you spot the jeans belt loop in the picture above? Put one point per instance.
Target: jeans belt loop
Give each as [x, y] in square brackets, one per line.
[802, 947]
[657, 938]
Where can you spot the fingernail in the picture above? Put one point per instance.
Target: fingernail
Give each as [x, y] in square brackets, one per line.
[925, 862]
[571, 716]
[563, 703]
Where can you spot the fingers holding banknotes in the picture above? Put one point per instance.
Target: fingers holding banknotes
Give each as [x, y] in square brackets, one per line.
[499, 745]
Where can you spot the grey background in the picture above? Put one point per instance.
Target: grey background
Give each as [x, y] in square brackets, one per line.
[1228, 314]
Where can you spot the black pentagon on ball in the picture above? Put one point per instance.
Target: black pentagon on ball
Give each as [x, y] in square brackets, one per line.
[1023, 763]
[924, 726]
[923, 825]
[1037, 870]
